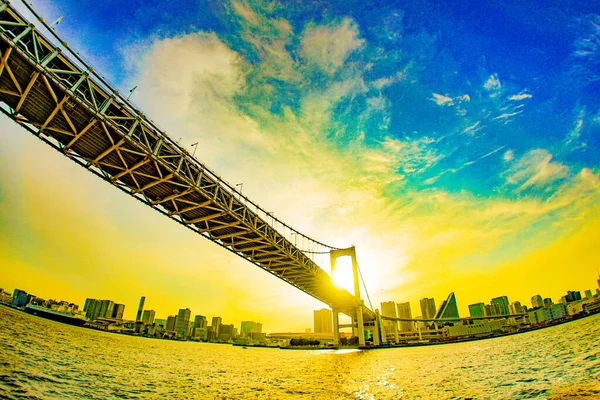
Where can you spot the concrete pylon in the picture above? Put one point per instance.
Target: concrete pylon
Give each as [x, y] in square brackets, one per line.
[336, 327]
[333, 255]
[377, 329]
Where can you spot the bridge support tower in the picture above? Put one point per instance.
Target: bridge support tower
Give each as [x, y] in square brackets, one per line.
[360, 326]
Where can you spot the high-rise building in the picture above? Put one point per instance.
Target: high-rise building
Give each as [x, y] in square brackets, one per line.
[106, 308]
[404, 311]
[249, 327]
[216, 323]
[199, 321]
[588, 294]
[388, 308]
[118, 311]
[148, 317]
[183, 322]
[537, 302]
[226, 332]
[516, 308]
[140, 309]
[171, 321]
[449, 308]
[428, 308]
[502, 302]
[323, 321]
[477, 310]
[21, 298]
[548, 302]
[492, 310]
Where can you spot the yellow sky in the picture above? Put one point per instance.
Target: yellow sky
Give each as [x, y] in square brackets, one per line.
[66, 234]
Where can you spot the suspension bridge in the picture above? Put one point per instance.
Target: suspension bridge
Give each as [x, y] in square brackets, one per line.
[48, 89]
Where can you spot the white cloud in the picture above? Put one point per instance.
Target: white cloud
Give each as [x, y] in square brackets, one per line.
[473, 129]
[573, 140]
[493, 83]
[506, 116]
[442, 100]
[508, 156]
[520, 96]
[536, 169]
[327, 47]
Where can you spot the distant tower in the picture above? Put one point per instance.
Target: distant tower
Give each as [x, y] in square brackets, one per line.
[140, 309]
[428, 308]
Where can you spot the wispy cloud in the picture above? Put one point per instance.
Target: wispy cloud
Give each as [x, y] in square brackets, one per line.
[442, 100]
[536, 169]
[509, 155]
[520, 96]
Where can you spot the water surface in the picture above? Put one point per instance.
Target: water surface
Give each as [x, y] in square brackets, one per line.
[42, 359]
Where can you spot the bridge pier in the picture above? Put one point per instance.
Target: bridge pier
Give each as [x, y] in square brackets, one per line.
[336, 326]
[377, 329]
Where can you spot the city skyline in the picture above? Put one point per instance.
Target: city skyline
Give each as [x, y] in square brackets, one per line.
[462, 175]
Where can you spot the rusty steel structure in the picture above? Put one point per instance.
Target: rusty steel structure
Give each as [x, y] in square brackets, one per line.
[49, 90]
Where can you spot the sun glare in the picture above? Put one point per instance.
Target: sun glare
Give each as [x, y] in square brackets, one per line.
[342, 277]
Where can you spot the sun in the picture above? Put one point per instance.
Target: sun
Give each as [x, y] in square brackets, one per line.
[342, 276]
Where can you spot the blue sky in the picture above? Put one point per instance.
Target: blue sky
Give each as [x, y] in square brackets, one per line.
[455, 139]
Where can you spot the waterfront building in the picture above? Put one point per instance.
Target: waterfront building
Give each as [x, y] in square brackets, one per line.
[516, 308]
[388, 308]
[199, 333]
[183, 321]
[548, 302]
[171, 321]
[226, 332]
[477, 310]
[106, 308]
[216, 323]
[449, 308]
[323, 320]
[571, 296]
[140, 309]
[148, 317]
[558, 311]
[588, 294]
[118, 311]
[199, 321]
[404, 311]
[537, 302]
[502, 302]
[21, 298]
[95, 309]
[428, 308]
[492, 310]
[249, 327]
[160, 323]
[539, 315]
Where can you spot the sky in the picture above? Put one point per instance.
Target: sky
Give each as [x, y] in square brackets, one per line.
[455, 145]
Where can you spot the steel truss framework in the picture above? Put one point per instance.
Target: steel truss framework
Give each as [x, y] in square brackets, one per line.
[66, 104]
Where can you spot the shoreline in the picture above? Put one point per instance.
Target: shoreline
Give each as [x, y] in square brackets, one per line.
[312, 348]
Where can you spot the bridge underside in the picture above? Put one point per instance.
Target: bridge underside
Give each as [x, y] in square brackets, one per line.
[65, 104]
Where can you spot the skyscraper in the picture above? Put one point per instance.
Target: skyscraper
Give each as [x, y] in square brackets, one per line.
[216, 323]
[323, 321]
[477, 310]
[140, 308]
[428, 308]
[404, 311]
[537, 302]
[492, 310]
[448, 309]
[249, 327]
[171, 321]
[502, 302]
[199, 321]
[148, 317]
[118, 311]
[183, 322]
[516, 308]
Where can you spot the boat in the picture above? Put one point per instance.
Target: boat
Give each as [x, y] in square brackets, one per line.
[64, 317]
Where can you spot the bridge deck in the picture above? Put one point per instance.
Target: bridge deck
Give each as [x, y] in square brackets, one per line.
[53, 93]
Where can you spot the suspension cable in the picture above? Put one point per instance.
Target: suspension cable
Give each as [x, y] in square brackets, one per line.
[364, 285]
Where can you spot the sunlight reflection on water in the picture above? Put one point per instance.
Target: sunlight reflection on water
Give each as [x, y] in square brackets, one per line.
[47, 360]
